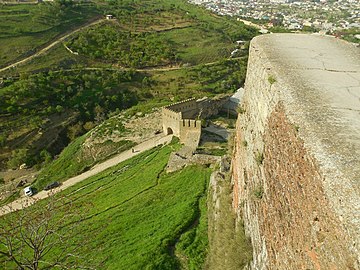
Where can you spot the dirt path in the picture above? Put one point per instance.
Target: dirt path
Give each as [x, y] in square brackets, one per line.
[48, 47]
[150, 69]
[25, 201]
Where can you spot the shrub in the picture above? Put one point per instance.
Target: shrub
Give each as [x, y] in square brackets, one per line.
[240, 110]
[18, 157]
[271, 79]
[259, 158]
[259, 192]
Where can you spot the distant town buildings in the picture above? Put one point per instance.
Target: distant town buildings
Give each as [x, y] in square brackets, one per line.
[321, 15]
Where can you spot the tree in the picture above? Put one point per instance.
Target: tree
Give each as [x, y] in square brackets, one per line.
[18, 157]
[59, 109]
[38, 236]
[45, 156]
[3, 139]
[75, 130]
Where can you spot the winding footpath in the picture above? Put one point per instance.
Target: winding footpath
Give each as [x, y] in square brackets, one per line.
[48, 47]
[27, 201]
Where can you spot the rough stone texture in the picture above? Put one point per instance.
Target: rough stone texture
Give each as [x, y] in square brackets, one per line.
[296, 164]
[178, 119]
[181, 118]
[185, 157]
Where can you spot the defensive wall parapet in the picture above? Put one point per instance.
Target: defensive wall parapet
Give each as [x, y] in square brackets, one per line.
[188, 108]
[190, 131]
[171, 121]
[180, 119]
[183, 118]
[296, 162]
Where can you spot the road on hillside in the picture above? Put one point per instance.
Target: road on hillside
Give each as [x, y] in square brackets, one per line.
[42, 51]
[27, 201]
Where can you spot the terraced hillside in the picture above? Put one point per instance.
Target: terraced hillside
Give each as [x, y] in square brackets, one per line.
[152, 53]
[86, 98]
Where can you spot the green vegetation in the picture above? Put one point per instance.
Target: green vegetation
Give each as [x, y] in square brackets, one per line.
[138, 215]
[18, 157]
[123, 48]
[271, 79]
[349, 34]
[212, 148]
[240, 109]
[39, 107]
[259, 158]
[279, 29]
[229, 246]
[225, 118]
[26, 28]
[259, 192]
[76, 158]
[151, 54]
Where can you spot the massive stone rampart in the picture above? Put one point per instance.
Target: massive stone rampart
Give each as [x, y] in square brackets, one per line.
[182, 118]
[190, 132]
[174, 114]
[296, 163]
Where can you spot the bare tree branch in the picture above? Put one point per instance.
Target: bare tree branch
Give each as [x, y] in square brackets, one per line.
[28, 236]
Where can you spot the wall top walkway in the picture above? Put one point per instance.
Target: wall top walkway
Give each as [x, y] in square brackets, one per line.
[318, 80]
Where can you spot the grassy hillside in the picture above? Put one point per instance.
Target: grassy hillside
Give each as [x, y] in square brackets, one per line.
[25, 28]
[152, 53]
[140, 217]
[75, 159]
[47, 110]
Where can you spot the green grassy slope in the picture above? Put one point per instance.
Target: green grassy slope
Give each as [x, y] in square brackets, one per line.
[74, 160]
[23, 28]
[138, 213]
[153, 53]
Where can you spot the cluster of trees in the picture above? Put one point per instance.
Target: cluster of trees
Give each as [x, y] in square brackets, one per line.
[127, 49]
[54, 13]
[90, 95]
[230, 30]
[88, 92]
[227, 76]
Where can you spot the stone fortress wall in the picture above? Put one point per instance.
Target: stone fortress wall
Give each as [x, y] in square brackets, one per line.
[296, 162]
[180, 119]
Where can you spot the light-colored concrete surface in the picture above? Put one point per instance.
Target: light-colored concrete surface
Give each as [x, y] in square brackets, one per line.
[25, 201]
[319, 78]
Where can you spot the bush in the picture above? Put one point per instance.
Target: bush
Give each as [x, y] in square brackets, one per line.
[18, 157]
[259, 192]
[271, 79]
[259, 158]
[2, 140]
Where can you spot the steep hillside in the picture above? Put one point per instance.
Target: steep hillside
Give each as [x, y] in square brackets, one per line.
[134, 216]
[27, 28]
[151, 53]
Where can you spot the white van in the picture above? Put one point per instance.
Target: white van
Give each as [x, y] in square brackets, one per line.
[29, 191]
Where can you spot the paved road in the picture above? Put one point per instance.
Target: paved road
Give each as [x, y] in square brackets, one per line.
[42, 51]
[25, 201]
